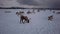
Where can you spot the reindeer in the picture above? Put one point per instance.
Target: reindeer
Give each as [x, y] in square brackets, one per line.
[22, 17]
[53, 11]
[29, 12]
[58, 13]
[50, 17]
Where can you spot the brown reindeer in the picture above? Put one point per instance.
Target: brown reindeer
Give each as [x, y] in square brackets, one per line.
[22, 17]
[50, 17]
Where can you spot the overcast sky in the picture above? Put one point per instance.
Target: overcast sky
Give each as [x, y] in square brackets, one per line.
[29, 3]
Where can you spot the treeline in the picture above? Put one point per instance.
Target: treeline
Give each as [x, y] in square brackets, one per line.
[12, 8]
[29, 8]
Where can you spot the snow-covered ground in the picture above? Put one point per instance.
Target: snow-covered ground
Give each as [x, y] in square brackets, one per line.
[39, 24]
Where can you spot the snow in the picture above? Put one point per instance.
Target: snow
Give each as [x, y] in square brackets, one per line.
[39, 24]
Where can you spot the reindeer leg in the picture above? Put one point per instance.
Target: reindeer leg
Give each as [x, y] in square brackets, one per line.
[20, 20]
[27, 21]
[23, 21]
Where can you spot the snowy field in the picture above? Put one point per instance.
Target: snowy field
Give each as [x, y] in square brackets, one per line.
[39, 24]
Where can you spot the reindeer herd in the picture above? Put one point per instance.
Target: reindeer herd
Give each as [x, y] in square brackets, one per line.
[25, 19]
